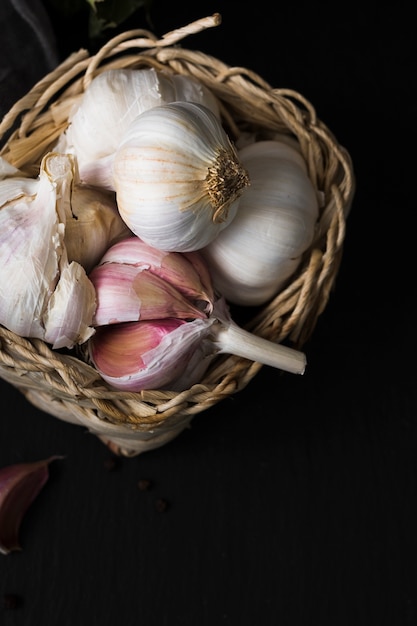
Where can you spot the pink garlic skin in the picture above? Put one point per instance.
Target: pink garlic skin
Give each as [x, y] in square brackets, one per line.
[187, 272]
[128, 294]
[20, 484]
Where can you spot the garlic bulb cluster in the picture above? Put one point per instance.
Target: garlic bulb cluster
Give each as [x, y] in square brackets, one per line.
[113, 99]
[177, 177]
[144, 225]
[251, 260]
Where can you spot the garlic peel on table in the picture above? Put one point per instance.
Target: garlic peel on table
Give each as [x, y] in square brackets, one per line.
[20, 484]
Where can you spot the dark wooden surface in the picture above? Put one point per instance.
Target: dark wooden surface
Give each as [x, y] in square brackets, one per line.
[293, 502]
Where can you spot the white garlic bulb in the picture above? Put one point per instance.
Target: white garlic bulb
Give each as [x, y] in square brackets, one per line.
[251, 259]
[177, 177]
[113, 99]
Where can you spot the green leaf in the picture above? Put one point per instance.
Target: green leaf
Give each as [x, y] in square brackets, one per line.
[106, 14]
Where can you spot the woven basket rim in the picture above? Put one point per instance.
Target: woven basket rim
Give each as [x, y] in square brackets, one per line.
[67, 387]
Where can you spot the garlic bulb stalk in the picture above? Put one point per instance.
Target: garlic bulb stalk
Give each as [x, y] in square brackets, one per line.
[251, 259]
[34, 262]
[113, 99]
[174, 354]
[136, 281]
[177, 177]
[229, 338]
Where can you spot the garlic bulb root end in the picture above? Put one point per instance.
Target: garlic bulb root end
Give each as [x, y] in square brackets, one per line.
[226, 179]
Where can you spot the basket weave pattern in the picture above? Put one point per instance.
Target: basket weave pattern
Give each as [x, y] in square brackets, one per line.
[65, 386]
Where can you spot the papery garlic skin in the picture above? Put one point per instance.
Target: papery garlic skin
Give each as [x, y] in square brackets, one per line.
[251, 260]
[33, 257]
[31, 237]
[177, 177]
[7, 169]
[113, 99]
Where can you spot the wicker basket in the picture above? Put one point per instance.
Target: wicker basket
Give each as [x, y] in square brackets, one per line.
[61, 383]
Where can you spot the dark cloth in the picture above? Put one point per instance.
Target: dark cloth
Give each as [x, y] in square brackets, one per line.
[27, 48]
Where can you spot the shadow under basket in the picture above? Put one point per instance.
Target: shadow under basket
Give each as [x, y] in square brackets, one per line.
[62, 384]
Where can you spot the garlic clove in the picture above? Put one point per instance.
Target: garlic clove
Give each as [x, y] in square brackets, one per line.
[20, 484]
[110, 102]
[177, 177]
[126, 293]
[148, 354]
[187, 272]
[93, 225]
[282, 148]
[189, 89]
[68, 317]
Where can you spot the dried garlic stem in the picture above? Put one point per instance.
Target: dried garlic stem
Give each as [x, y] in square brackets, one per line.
[231, 339]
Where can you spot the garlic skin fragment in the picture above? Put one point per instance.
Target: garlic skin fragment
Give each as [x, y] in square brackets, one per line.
[20, 484]
[33, 256]
[113, 99]
[7, 169]
[177, 177]
[251, 260]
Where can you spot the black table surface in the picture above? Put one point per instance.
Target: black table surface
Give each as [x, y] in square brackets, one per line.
[293, 501]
